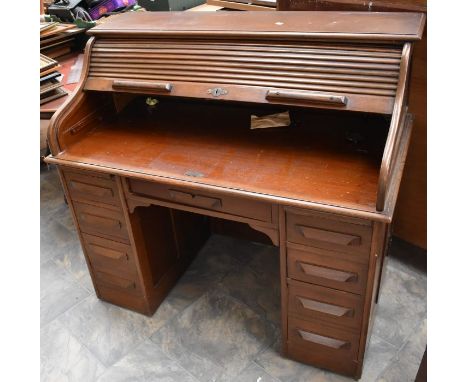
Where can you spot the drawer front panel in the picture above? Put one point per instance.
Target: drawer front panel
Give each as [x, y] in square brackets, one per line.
[110, 256]
[126, 300]
[315, 302]
[205, 200]
[325, 268]
[122, 284]
[101, 221]
[93, 187]
[321, 345]
[329, 232]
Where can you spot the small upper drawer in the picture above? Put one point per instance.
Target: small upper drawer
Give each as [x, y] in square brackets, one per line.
[309, 301]
[326, 268]
[92, 186]
[109, 256]
[208, 201]
[101, 221]
[328, 231]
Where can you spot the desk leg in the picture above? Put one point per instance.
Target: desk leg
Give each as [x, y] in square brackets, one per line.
[284, 282]
[164, 242]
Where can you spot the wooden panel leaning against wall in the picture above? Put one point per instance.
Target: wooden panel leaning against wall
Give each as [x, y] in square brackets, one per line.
[410, 222]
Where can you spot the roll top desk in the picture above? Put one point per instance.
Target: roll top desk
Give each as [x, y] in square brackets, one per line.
[157, 139]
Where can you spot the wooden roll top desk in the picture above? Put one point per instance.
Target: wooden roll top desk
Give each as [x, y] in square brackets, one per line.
[157, 139]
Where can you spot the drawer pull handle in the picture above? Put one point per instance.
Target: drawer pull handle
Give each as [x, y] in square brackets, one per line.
[199, 200]
[333, 310]
[91, 189]
[322, 340]
[329, 236]
[101, 221]
[307, 97]
[327, 273]
[107, 252]
[117, 281]
[142, 85]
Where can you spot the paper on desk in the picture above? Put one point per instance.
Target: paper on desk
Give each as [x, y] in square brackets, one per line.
[271, 120]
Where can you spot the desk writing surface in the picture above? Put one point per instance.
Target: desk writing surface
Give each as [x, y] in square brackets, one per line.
[216, 144]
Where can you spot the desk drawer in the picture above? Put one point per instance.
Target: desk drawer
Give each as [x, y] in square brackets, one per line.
[326, 268]
[132, 300]
[329, 231]
[109, 256]
[120, 284]
[309, 301]
[92, 187]
[322, 345]
[101, 221]
[209, 201]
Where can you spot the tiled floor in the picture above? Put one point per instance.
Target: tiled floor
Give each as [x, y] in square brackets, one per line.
[220, 322]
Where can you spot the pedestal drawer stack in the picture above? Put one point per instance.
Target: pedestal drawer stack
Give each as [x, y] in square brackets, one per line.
[327, 259]
[105, 237]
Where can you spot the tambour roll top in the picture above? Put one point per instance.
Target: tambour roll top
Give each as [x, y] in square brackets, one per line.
[338, 60]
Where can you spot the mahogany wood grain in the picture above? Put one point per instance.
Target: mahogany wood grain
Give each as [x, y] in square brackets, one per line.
[232, 158]
[372, 216]
[353, 5]
[410, 221]
[326, 231]
[291, 25]
[105, 222]
[254, 94]
[205, 201]
[396, 128]
[315, 302]
[239, 6]
[141, 180]
[330, 269]
[411, 214]
[110, 256]
[323, 345]
[92, 187]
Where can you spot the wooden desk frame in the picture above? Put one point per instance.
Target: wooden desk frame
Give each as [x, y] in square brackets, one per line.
[331, 255]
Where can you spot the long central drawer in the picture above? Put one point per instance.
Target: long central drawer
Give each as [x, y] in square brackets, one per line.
[207, 201]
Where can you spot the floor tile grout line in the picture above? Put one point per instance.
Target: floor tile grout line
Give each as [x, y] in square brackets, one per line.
[384, 340]
[73, 282]
[266, 372]
[96, 356]
[63, 326]
[399, 350]
[177, 314]
[183, 310]
[66, 310]
[264, 318]
[68, 271]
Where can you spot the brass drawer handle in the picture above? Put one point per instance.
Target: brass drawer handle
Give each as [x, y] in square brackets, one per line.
[101, 221]
[327, 273]
[199, 200]
[107, 252]
[91, 189]
[141, 85]
[322, 340]
[329, 236]
[322, 307]
[307, 97]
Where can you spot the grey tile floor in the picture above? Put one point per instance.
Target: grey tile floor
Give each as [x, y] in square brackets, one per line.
[219, 323]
